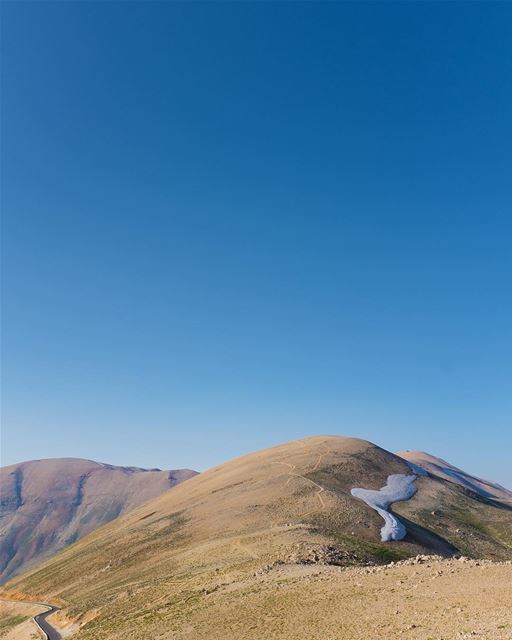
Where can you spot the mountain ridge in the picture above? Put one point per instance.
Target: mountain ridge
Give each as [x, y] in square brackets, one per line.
[47, 504]
[438, 467]
[287, 506]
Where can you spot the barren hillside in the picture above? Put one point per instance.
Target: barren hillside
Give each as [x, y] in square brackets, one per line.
[45, 505]
[439, 468]
[150, 572]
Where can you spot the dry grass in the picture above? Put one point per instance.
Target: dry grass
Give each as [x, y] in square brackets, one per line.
[16, 620]
[222, 554]
[45, 505]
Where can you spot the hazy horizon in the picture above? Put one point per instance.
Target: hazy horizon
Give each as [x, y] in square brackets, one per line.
[230, 225]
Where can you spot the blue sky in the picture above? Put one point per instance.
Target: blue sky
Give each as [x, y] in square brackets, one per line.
[228, 225]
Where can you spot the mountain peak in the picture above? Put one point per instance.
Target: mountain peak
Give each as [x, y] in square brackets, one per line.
[47, 504]
[440, 468]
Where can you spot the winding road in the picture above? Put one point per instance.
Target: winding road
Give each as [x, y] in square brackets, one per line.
[40, 619]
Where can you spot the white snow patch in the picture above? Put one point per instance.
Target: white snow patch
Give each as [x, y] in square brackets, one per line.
[398, 487]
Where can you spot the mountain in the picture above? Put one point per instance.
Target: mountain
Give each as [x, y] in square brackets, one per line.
[45, 505]
[441, 469]
[169, 567]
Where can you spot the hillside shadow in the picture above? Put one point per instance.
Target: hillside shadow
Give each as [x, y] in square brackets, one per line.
[432, 541]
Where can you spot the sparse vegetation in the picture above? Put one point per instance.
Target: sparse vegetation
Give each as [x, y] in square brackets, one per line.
[227, 547]
[8, 622]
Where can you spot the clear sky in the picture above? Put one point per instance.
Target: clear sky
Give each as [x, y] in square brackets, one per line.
[228, 225]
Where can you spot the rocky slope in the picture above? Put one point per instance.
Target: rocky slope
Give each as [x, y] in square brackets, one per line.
[439, 468]
[152, 571]
[45, 505]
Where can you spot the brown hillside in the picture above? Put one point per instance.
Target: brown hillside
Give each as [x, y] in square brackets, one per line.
[441, 469]
[284, 506]
[45, 505]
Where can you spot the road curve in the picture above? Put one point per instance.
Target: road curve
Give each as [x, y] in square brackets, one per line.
[40, 619]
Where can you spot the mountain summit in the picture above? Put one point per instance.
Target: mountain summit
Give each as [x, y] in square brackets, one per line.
[172, 558]
[45, 505]
[439, 468]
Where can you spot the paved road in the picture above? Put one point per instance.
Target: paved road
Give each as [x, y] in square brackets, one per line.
[46, 627]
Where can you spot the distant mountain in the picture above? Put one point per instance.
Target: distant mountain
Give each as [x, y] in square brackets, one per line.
[157, 571]
[441, 469]
[45, 505]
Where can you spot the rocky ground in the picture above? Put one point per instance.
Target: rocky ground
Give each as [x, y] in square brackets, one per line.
[16, 621]
[273, 545]
[301, 598]
[424, 598]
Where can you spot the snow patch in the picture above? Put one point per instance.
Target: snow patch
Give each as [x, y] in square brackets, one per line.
[398, 487]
